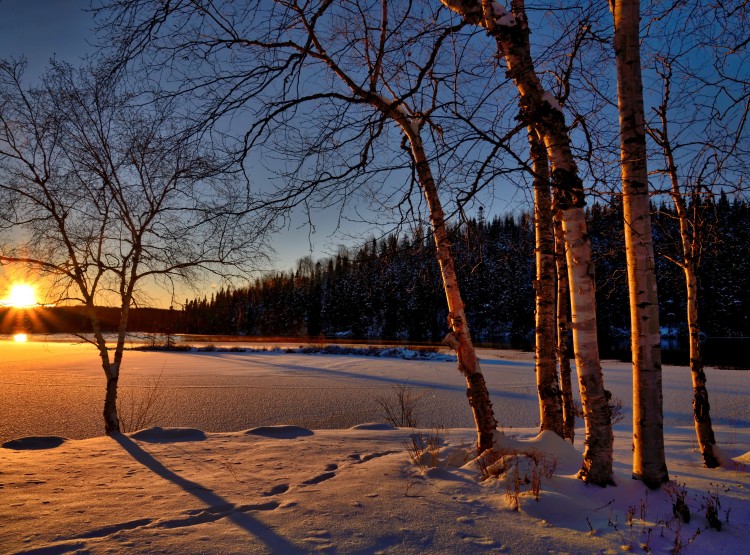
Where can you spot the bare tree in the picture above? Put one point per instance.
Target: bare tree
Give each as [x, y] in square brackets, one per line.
[649, 462]
[548, 386]
[109, 196]
[541, 110]
[324, 84]
[698, 64]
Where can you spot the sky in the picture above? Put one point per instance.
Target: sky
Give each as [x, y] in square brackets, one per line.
[62, 29]
[43, 29]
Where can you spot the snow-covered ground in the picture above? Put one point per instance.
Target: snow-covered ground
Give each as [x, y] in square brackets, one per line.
[274, 454]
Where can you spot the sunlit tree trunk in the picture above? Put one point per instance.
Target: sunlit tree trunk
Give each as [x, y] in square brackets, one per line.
[540, 109]
[701, 408]
[649, 462]
[459, 338]
[563, 354]
[690, 238]
[550, 407]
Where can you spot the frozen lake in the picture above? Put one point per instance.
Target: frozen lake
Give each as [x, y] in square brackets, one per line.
[57, 388]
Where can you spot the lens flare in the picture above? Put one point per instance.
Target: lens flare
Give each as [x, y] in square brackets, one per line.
[21, 295]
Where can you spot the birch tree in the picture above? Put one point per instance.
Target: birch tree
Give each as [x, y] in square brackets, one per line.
[562, 351]
[649, 463]
[540, 109]
[110, 197]
[698, 63]
[548, 387]
[335, 76]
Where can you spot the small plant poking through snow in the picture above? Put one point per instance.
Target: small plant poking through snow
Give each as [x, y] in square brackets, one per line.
[518, 469]
[141, 411]
[424, 448]
[641, 526]
[399, 409]
[677, 493]
[711, 504]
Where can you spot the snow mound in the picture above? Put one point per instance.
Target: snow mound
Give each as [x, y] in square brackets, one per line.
[373, 426]
[280, 432]
[556, 452]
[168, 435]
[411, 354]
[34, 443]
[569, 460]
[742, 459]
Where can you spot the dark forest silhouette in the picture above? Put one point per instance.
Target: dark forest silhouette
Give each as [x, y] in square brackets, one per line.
[390, 289]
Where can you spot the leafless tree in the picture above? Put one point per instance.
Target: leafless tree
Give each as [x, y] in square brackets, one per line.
[346, 95]
[511, 32]
[106, 195]
[698, 64]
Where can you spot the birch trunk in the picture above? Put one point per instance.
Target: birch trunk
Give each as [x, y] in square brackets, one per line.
[701, 408]
[690, 241]
[550, 407]
[563, 356]
[541, 110]
[459, 338]
[111, 372]
[649, 462]
[111, 419]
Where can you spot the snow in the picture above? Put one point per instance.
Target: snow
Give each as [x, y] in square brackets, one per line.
[502, 17]
[552, 101]
[498, 10]
[282, 486]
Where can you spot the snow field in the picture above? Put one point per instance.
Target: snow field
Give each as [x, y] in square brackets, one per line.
[291, 488]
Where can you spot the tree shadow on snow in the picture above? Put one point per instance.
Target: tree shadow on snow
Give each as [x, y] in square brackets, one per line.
[457, 388]
[217, 506]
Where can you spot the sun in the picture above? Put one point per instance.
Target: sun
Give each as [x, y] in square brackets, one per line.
[21, 295]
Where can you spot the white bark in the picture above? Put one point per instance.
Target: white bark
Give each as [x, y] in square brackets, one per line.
[549, 122]
[548, 387]
[649, 463]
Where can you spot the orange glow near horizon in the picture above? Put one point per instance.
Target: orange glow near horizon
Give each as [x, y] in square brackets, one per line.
[21, 295]
[20, 338]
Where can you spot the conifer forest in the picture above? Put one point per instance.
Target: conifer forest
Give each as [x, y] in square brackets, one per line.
[390, 289]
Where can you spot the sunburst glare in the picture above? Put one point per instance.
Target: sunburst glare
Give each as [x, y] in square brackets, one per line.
[21, 295]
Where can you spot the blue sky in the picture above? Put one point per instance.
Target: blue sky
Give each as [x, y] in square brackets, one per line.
[43, 29]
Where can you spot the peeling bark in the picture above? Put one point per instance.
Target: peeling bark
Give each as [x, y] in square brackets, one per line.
[649, 462]
[563, 356]
[548, 388]
[540, 110]
[459, 338]
[701, 407]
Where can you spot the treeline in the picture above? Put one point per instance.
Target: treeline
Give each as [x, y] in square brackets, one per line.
[391, 289]
[73, 319]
